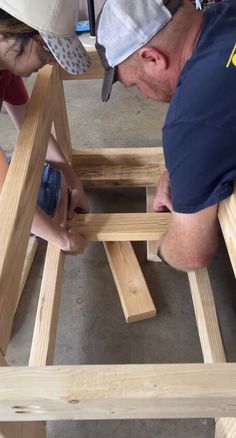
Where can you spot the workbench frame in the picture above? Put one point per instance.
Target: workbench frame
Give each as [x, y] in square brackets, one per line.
[31, 395]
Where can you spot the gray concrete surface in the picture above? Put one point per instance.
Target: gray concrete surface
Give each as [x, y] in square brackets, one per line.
[92, 329]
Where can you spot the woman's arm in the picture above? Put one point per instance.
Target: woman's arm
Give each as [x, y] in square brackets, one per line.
[55, 157]
[45, 227]
[3, 169]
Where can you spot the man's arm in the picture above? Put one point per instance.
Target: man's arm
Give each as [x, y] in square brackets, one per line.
[191, 240]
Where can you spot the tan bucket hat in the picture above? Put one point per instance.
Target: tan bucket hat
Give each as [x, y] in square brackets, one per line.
[55, 21]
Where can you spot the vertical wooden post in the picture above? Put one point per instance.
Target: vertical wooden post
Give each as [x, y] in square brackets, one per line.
[151, 244]
[210, 336]
[18, 196]
[44, 337]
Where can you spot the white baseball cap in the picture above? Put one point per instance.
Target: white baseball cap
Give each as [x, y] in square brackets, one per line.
[123, 27]
[55, 21]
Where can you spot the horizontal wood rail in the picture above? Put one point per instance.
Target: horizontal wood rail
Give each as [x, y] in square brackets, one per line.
[119, 166]
[117, 392]
[120, 227]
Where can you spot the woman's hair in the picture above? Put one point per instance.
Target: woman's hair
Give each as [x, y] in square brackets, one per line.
[14, 29]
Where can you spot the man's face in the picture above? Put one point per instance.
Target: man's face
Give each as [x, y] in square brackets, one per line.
[155, 88]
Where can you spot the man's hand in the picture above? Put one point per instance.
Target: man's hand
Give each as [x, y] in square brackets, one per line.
[162, 200]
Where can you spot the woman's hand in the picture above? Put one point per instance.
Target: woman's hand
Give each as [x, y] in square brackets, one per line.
[77, 200]
[49, 229]
[72, 242]
[162, 200]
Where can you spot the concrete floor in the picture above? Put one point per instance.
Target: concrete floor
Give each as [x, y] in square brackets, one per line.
[92, 329]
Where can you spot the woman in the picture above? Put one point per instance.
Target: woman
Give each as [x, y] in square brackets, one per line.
[33, 34]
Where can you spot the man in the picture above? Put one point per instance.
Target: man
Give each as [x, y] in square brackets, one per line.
[173, 53]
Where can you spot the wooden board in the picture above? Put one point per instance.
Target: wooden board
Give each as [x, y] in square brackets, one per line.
[30, 254]
[206, 317]
[18, 429]
[43, 343]
[227, 219]
[151, 244]
[226, 428]
[117, 392]
[210, 335]
[121, 226]
[136, 301]
[17, 206]
[22, 430]
[131, 167]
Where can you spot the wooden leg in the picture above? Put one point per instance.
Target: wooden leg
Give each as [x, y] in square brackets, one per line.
[19, 429]
[31, 251]
[22, 430]
[210, 336]
[151, 244]
[43, 343]
[225, 428]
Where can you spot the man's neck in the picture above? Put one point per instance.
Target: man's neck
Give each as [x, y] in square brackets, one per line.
[192, 37]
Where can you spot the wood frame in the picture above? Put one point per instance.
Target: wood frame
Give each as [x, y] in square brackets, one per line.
[41, 392]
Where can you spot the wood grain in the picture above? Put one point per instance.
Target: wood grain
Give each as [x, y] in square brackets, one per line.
[113, 227]
[136, 301]
[19, 193]
[117, 392]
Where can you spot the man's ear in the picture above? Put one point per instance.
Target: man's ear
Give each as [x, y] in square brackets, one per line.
[153, 59]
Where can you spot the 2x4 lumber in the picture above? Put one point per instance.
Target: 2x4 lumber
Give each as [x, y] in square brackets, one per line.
[95, 71]
[227, 219]
[43, 343]
[61, 122]
[44, 337]
[17, 429]
[117, 392]
[113, 227]
[30, 254]
[210, 335]
[22, 430]
[19, 193]
[131, 167]
[151, 244]
[206, 317]
[11, 430]
[135, 298]
[225, 428]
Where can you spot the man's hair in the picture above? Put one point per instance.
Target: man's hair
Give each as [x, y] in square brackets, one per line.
[12, 28]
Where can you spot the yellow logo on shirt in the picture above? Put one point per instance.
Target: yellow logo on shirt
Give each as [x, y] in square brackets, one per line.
[232, 58]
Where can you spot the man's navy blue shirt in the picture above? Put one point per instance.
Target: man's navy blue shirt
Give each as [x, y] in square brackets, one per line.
[199, 136]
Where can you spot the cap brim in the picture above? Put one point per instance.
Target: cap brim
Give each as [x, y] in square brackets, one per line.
[69, 52]
[108, 81]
